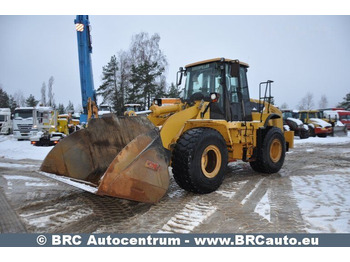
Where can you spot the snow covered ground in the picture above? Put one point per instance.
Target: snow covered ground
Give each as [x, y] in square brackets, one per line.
[312, 186]
[322, 140]
[13, 149]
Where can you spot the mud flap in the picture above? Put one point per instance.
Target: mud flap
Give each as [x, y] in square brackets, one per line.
[122, 157]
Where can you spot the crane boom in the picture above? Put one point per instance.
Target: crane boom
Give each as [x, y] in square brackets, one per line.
[88, 92]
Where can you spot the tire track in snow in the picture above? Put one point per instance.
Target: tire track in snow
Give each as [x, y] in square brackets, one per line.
[191, 216]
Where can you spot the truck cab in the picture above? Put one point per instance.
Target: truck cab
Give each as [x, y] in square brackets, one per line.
[5, 121]
[300, 129]
[23, 122]
[317, 126]
[344, 117]
[44, 120]
[104, 109]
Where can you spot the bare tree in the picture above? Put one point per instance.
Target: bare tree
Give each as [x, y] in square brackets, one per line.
[18, 97]
[145, 48]
[307, 102]
[284, 106]
[50, 94]
[144, 53]
[78, 109]
[43, 94]
[323, 102]
[123, 76]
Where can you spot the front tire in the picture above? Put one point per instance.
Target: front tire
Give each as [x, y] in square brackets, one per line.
[312, 132]
[270, 156]
[199, 160]
[304, 134]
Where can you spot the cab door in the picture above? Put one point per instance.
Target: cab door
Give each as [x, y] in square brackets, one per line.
[237, 86]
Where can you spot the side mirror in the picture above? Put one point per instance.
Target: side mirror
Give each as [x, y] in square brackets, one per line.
[235, 70]
[179, 76]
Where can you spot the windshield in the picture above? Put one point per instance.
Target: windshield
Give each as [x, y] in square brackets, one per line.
[104, 108]
[344, 117]
[203, 79]
[132, 108]
[313, 115]
[24, 113]
[287, 114]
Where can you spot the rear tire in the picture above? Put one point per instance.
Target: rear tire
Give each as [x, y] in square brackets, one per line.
[270, 156]
[199, 160]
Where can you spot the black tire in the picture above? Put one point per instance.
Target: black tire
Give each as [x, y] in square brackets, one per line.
[270, 156]
[312, 131]
[304, 134]
[199, 160]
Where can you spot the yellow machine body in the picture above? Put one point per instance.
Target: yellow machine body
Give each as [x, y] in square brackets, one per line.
[129, 157]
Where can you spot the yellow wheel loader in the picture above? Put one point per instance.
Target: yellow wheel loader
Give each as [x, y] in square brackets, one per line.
[215, 122]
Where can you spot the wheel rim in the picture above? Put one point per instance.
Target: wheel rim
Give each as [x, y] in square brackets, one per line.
[276, 150]
[211, 161]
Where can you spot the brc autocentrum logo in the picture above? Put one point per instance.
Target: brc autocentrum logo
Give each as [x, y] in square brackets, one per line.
[176, 240]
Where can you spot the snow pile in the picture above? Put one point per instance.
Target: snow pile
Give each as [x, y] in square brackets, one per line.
[339, 123]
[323, 140]
[18, 166]
[13, 149]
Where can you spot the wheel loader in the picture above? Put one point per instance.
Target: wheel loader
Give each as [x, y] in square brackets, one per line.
[214, 123]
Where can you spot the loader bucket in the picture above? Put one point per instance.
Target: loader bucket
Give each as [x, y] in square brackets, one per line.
[121, 157]
[340, 131]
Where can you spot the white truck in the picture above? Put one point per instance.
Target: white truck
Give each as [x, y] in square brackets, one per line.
[104, 109]
[45, 127]
[5, 121]
[23, 123]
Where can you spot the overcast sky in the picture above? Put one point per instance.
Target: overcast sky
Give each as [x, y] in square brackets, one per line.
[300, 53]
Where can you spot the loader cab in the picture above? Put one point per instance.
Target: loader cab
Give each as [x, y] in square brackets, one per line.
[228, 79]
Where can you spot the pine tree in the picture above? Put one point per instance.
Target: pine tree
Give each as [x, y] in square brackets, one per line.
[149, 64]
[61, 109]
[346, 103]
[70, 107]
[174, 91]
[4, 99]
[12, 104]
[143, 79]
[31, 101]
[108, 90]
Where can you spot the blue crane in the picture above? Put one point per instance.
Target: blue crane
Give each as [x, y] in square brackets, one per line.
[88, 92]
